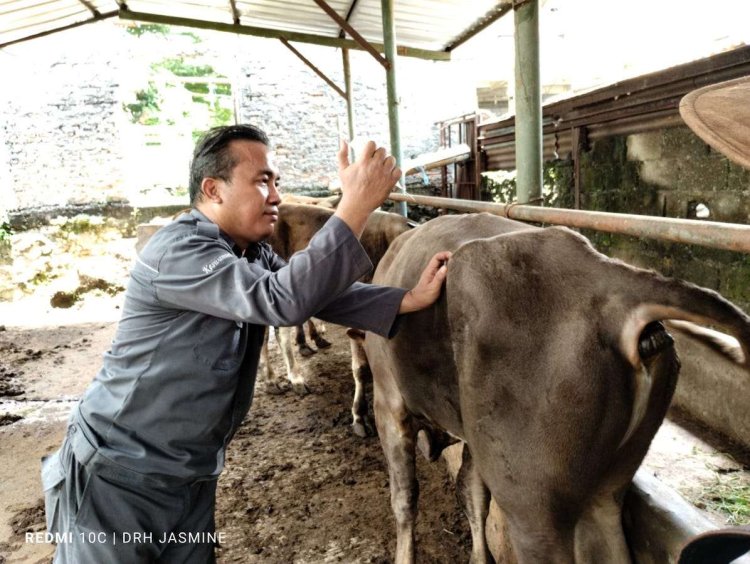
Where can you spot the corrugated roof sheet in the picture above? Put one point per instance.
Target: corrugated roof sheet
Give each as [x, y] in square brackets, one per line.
[433, 25]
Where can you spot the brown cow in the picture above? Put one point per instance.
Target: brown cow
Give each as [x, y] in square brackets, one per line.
[296, 226]
[531, 357]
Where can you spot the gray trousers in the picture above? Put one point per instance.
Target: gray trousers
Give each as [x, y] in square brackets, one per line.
[96, 519]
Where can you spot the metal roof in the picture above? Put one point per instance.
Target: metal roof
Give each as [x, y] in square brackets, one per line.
[426, 28]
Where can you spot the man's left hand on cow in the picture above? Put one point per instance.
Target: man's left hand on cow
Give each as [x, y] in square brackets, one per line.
[147, 440]
[427, 290]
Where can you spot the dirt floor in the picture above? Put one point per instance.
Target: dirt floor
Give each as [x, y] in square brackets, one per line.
[298, 486]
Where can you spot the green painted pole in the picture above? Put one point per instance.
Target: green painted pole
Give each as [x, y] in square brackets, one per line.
[528, 103]
[348, 91]
[389, 44]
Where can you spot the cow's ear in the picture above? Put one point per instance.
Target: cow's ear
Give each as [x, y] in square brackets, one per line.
[210, 188]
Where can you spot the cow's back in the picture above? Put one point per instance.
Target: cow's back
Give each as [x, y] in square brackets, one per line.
[422, 348]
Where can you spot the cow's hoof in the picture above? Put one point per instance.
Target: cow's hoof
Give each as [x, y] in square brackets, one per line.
[300, 388]
[277, 388]
[306, 351]
[359, 430]
[321, 343]
[364, 428]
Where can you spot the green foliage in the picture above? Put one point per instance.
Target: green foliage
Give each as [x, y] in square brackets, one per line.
[80, 224]
[221, 115]
[201, 100]
[499, 186]
[197, 87]
[146, 104]
[5, 231]
[223, 89]
[192, 35]
[179, 67]
[730, 497]
[141, 29]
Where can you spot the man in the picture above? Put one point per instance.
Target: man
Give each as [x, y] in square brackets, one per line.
[135, 478]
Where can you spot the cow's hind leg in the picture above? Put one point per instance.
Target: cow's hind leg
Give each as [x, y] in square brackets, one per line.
[599, 534]
[541, 537]
[302, 345]
[274, 383]
[317, 335]
[362, 424]
[475, 499]
[397, 432]
[293, 371]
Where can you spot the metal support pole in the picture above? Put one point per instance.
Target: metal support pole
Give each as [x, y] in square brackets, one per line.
[348, 91]
[528, 103]
[389, 44]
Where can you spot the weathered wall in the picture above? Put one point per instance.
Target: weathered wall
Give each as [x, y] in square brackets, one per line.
[668, 173]
[59, 122]
[67, 139]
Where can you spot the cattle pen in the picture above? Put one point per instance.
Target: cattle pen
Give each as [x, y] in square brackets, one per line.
[558, 136]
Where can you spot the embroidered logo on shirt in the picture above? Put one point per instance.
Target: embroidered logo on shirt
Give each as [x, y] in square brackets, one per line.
[209, 268]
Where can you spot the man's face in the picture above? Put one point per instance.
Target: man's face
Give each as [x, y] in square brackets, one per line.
[248, 210]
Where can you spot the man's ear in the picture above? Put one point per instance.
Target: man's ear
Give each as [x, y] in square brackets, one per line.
[210, 190]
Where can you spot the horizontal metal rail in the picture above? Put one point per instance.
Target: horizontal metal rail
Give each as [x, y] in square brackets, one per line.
[713, 234]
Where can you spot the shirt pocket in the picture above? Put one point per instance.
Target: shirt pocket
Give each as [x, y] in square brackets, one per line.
[53, 484]
[221, 345]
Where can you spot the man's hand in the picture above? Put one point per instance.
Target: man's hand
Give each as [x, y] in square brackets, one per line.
[365, 184]
[427, 290]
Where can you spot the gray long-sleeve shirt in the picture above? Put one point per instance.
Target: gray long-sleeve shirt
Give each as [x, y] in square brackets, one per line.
[179, 376]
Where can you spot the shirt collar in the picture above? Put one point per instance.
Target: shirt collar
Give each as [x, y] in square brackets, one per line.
[251, 253]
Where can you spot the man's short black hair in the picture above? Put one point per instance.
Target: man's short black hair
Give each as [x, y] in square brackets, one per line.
[212, 157]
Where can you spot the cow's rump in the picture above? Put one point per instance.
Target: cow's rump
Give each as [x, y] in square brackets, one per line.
[531, 357]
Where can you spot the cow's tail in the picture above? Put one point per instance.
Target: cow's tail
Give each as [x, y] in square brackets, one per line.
[724, 344]
[655, 298]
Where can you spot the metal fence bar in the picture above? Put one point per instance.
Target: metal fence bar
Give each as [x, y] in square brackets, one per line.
[713, 234]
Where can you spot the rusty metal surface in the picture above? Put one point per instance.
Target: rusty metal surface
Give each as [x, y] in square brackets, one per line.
[716, 235]
[635, 105]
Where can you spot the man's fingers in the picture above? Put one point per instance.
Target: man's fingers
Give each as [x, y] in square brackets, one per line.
[343, 155]
[367, 151]
[438, 260]
[396, 175]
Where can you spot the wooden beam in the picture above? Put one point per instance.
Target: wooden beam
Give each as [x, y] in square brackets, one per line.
[277, 34]
[315, 69]
[580, 143]
[346, 26]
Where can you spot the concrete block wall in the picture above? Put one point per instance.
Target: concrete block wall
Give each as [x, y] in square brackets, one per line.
[67, 139]
[668, 173]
